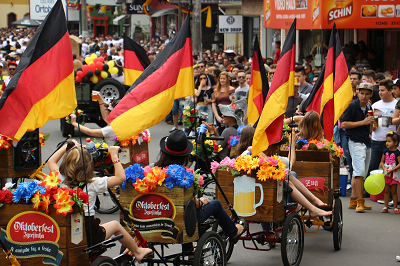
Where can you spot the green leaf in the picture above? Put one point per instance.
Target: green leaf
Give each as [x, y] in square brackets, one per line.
[46, 136]
[235, 172]
[2, 204]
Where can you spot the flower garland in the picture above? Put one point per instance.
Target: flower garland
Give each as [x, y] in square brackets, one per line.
[315, 145]
[211, 146]
[148, 178]
[79, 113]
[43, 194]
[143, 136]
[186, 120]
[42, 138]
[264, 167]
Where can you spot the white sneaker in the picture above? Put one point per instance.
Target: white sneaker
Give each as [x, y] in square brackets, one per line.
[391, 203]
[381, 201]
[398, 258]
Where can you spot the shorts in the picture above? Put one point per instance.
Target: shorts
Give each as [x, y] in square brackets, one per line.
[175, 107]
[361, 156]
[94, 230]
[390, 181]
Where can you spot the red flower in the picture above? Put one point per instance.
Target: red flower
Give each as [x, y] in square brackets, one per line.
[83, 195]
[8, 198]
[3, 194]
[191, 120]
[98, 163]
[107, 161]
[192, 111]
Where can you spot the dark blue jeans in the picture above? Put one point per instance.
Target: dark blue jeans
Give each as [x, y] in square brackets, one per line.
[377, 148]
[214, 208]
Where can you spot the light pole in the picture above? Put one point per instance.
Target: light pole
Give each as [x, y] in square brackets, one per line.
[84, 21]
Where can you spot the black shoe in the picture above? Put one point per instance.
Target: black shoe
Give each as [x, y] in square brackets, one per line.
[180, 123]
[244, 224]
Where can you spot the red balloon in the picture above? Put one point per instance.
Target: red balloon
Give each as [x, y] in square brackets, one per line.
[85, 69]
[92, 67]
[78, 79]
[80, 74]
[99, 65]
[101, 59]
[100, 78]
[95, 60]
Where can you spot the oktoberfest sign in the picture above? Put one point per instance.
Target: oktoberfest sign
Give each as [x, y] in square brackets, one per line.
[33, 234]
[315, 184]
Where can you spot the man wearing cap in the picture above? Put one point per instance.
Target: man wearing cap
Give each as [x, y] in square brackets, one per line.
[232, 115]
[357, 123]
[12, 66]
[384, 109]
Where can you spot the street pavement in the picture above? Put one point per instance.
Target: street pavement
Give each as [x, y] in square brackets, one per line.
[369, 238]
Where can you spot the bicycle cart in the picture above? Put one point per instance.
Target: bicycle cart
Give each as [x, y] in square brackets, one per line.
[320, 174]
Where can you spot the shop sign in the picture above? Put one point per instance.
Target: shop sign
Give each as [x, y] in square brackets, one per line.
[141, 157]
[136, 9]
[38, 9]
[318, 14]
[230, 24]
[315, 184]
[33, 234]
[154, 212]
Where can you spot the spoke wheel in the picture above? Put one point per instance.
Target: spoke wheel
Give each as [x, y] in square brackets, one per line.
[209, 189]
[106, 204]
[104, 261]
[337, 224]
[210, 251]
[292, 240]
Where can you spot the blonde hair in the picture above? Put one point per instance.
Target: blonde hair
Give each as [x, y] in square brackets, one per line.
[77, 64]
[310, 127]
[72, 167]
[218, 86]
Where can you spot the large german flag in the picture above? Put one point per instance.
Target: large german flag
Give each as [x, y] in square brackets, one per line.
[269, 128]
[150, 98]
[321, 98]
[43, 87]
[259, 86]
[135, 60]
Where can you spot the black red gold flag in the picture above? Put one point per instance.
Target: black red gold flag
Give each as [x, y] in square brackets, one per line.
[43, 86]
[135, 60]
[151, 97]
[269, 128]
[259, 85]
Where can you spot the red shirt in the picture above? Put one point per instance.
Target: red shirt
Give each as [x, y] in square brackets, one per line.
[277, 55]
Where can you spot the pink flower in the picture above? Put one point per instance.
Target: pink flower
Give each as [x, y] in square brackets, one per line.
[232, 164]
[273, 162]
[320, 145]
[189, 170]
[305, 147]
[214, 165]
[225, 162]
[147, 169]
[200, 180]
[262, 160]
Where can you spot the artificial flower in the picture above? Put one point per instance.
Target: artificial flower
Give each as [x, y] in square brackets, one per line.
[51, 180]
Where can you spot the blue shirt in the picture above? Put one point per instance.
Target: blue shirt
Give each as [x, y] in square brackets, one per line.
[354, 113]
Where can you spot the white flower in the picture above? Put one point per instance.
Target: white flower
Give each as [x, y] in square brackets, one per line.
[8, 186]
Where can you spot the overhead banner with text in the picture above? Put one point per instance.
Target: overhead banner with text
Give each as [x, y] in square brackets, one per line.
[318, 14]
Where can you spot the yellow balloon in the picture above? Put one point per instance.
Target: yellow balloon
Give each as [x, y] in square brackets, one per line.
[114, 70]
[110, 64]
[95, 79]
[88, 60]
[104, 74]
[93, 56]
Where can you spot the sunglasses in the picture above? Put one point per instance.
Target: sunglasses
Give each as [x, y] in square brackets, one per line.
[11, 69]
[201, 66]
[239, 77]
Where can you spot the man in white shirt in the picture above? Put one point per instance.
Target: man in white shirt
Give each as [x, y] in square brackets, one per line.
[384, 109]
[243, 90]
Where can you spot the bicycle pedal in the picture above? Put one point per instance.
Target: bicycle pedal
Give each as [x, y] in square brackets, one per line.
[260, 239]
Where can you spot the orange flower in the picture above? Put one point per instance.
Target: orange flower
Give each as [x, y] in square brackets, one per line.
[51, 181]
[36, 200]
[141, 186]
[45, 203]
[64, 206]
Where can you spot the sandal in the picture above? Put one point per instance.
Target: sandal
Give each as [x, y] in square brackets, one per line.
[237, 237]
[385, 209]
[396, 210]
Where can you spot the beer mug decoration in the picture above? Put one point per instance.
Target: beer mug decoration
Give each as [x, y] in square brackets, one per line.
[244, 196]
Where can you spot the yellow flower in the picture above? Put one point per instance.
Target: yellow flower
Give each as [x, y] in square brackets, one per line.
[104, 145]
[209, 142]
[97, 145]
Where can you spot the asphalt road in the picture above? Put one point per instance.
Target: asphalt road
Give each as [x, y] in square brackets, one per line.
[370, 238]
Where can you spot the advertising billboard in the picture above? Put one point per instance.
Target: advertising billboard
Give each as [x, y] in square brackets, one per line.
[318, 14]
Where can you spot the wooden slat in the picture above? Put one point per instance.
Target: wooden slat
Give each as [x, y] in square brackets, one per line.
[75, 256]
[309, 156]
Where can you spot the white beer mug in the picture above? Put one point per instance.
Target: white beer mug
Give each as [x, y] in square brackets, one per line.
[245, 197]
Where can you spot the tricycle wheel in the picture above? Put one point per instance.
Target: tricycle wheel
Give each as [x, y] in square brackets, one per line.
[210, 250]
[337, 224]
[106, 204]
[227, 241]
[292, 240]
[104, 261]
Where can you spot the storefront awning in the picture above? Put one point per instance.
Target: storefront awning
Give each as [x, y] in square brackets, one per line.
[117, 19]
[163, 12]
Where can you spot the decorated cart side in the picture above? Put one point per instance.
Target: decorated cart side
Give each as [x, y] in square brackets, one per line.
[42, 223]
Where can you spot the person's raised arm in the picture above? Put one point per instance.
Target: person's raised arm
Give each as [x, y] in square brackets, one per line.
[103, 109]
[119, 171]
[55, 158]
[97, 133]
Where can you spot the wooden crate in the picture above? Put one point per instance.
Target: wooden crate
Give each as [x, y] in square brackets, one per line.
[138, 154]
[318, 164]
[272, 207]
[7, 164]
[72, 253]
[177, 197]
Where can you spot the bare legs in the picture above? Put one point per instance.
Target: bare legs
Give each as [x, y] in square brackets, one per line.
[114, 228]
[303, 190]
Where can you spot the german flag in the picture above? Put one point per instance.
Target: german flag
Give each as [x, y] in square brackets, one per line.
[43, 87]
[135, 59]
[269, 128]
[150, 98]
[259, 86]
